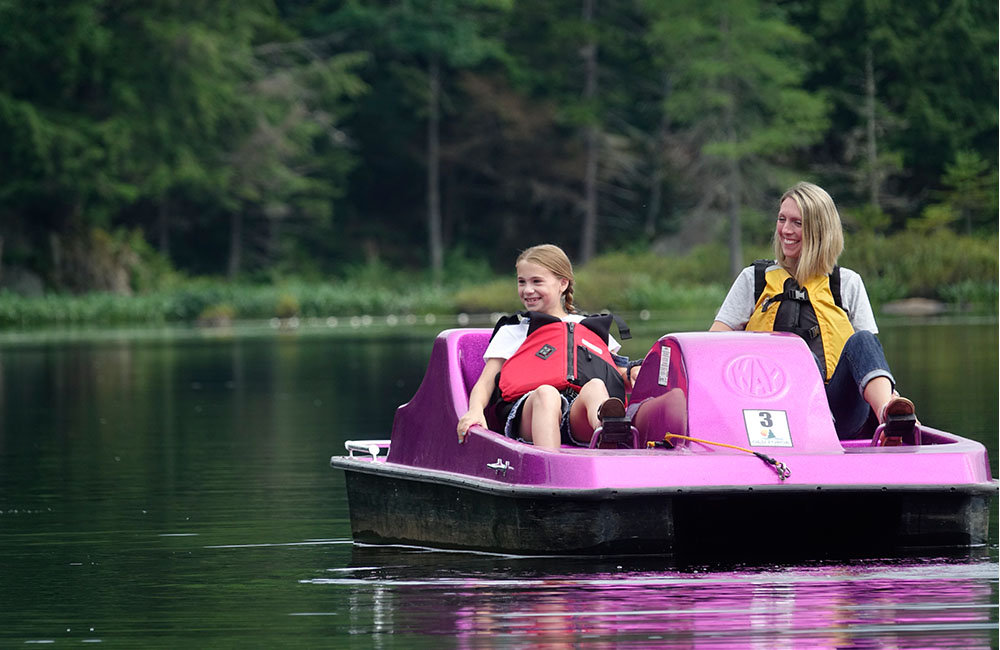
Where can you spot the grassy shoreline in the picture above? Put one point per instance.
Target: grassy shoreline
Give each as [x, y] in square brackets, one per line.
[957, 274]
[222, 304]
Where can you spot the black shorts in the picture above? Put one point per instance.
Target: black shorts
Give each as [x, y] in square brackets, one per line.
[507, 417]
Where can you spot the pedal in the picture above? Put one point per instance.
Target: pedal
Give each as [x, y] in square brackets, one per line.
[900, 430]
[616, 431]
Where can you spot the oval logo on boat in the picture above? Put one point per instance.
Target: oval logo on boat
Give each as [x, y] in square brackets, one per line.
[755, 376]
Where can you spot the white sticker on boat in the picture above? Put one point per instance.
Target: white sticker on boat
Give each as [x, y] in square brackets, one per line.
[664, 365]
[767, 428]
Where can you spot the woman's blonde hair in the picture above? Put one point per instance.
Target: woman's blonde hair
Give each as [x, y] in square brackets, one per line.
[553, 258]
[822, 233]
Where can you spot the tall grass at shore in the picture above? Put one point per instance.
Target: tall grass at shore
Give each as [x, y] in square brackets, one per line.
[956, 270]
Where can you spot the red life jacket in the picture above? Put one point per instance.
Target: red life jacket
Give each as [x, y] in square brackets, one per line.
[561, 354]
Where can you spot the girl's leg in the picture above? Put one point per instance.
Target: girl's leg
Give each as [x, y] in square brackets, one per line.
[583, 419]
[542, 413]
[660, 415]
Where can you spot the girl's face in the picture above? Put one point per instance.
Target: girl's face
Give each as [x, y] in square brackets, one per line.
[789, 229]
[540, 289]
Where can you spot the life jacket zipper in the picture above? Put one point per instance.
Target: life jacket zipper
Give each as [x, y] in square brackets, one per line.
[570, 354]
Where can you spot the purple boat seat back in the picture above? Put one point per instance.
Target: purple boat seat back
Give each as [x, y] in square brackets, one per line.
[431, 416]
[757, 390]
[662, 370]
[471, 346]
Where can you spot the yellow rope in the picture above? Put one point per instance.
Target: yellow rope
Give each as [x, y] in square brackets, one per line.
[707, 442]
[779, 467]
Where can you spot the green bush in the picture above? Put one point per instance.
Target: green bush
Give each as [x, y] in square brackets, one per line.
[499, 295]
[959, 270]
[221, 314]
[918, 264]
[287, 307]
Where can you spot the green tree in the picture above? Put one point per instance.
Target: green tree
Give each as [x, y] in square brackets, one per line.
[587, 59]
[970, 192]
[64, 148]
[911, 84]
[132, 114]
[736, 94]
[427, 40]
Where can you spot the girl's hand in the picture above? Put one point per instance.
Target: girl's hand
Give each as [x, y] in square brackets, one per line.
[633, 374]
[472, 417]
[629, 376]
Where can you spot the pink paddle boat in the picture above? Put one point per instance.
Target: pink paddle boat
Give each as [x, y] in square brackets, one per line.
[741, 455]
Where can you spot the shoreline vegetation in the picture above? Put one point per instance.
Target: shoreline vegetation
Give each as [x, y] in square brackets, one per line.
[942, 274]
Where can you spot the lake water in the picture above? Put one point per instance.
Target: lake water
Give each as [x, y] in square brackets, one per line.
[167, 489]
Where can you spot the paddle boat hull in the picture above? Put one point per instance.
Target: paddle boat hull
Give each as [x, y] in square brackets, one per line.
[708, 492]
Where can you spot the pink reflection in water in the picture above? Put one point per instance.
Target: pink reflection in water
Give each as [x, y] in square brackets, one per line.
[533, 603]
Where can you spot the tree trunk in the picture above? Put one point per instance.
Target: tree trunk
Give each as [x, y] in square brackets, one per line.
[735, 228]
[655, 198]
[659, 167]
[735, 184]
[871, 144]
[235, 244]
[588, 243]
[434, 237]
[163, 226]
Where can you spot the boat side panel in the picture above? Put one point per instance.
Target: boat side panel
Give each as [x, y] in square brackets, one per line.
[391, 510]
[388, 509]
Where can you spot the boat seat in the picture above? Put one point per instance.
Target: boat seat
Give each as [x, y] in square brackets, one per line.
[471, 347]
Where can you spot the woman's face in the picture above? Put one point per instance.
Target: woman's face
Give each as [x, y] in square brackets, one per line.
[540, 289]
[789, 229]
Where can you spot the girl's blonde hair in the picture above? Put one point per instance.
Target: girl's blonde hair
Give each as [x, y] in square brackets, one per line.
[822, 233]
[553, 258]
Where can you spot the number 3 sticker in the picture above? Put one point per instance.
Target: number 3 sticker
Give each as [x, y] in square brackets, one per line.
[767, 428]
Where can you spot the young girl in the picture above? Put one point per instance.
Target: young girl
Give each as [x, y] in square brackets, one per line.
[545, 416]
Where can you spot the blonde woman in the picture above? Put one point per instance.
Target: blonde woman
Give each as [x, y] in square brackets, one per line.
[805, 292]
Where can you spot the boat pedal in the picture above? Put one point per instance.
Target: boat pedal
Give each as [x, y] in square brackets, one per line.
[898, 431]
[616, 431]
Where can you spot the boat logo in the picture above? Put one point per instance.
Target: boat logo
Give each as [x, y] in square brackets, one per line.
[545, 352]
[755, 376]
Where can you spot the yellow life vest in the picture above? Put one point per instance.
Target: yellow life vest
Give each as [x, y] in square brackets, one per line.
[814, 312]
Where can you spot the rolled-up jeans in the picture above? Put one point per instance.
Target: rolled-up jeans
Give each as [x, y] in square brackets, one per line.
[861, 360]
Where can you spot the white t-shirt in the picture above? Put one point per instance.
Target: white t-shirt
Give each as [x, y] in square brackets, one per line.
[510, 337]
[739, 303]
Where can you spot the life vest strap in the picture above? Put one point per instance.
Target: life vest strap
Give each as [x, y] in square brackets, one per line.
[806, 333]
[799, 295]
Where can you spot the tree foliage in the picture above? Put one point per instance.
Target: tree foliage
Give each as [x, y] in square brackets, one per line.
[270, 138]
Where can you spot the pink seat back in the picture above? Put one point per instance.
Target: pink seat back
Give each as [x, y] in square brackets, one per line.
[471, 347]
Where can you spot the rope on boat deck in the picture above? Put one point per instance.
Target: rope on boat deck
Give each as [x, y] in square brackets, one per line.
[777, 466]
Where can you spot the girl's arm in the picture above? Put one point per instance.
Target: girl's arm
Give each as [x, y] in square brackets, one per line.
[479, 397]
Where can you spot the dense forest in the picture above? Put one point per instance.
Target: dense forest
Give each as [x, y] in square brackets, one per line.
[264, 139]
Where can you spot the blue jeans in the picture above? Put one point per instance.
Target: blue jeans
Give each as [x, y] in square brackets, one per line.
[861, 360]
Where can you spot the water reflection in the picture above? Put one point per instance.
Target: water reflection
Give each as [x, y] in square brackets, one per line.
[563, 602]
[175, 492]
